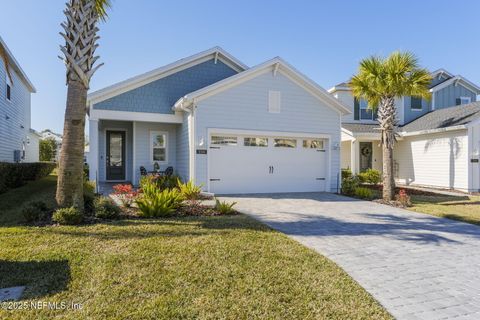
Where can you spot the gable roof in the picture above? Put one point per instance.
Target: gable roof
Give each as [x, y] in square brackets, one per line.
[441, 71]
[156, 74]
[444, 118]
[16, 66]
[274, 65]
[356, 128]
[457, 79]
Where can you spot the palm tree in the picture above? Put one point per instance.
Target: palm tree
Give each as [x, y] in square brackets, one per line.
[379, 81]
[4, 57]
[80, 34]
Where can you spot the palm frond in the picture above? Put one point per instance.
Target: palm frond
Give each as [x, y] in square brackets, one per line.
[4, 57]
[101, 7]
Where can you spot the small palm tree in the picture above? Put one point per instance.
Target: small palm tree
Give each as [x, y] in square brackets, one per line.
[379, 81]
[80, 34]
[6, 63]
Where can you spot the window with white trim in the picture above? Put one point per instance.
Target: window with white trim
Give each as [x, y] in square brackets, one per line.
[313, 144]
[8, 93]
[285, 143]
[465, 100]
[223, 140]
[365, 112]
[274, 101]
[158, 146]
[255, 142]
[416, 103]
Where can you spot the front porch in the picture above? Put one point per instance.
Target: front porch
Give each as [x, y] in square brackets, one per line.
[360, 150]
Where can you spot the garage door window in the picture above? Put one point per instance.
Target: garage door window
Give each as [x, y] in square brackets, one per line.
[224, 141]
[313, 144]
[285, 143]
[255, 142]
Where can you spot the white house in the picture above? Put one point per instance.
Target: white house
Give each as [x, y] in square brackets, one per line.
[228, 127]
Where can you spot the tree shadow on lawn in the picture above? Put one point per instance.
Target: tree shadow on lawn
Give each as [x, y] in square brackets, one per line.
[41, 278]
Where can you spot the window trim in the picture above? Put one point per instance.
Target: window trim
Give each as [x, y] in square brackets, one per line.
[280, 138]
[312, 139]
[222, 144]
[8, 87]
[365, 108]
[466, 98]
[256, 146]
[156, 132]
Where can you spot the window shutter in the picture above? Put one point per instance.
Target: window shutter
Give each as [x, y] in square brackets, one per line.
[356, 109]
[458, 101]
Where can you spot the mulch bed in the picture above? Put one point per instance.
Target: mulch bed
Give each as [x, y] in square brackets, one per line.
[409, 191]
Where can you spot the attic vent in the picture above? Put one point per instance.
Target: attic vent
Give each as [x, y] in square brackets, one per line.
[274, 101]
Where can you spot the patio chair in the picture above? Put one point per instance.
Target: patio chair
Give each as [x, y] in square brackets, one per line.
[168, 172]
[143, 171]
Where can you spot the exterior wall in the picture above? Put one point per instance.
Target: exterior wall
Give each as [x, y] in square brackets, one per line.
[159, 96]
[245, 106]
[104, 125]
[474, 155]
[412, 114]
[142, 146]
[439, 160]
[14, 115]
[32, 152]
[345, 153]
[183, 149]
[447, 97]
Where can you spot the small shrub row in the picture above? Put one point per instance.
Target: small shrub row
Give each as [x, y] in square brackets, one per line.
[14, 175]
[35, 211]
[68, 216]
[371, 176]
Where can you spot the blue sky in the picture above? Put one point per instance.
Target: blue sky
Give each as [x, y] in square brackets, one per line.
[323, 39]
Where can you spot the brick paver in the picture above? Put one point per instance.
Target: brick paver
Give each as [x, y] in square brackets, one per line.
[417, 266]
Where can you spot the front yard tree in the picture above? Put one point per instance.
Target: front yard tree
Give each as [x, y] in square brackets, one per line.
[379, 81]
[80, 35]
[48, 149]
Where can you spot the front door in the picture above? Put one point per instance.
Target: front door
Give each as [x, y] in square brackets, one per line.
[365, 156]
[115, 155]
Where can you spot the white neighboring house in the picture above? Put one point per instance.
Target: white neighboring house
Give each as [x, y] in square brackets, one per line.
[49, 134]
[15, 110]
[439, 140]
[228, 127]
[33, 146]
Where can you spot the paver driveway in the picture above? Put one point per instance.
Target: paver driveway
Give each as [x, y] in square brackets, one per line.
[417, 266]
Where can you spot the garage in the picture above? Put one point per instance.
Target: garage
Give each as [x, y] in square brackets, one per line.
[264, 163]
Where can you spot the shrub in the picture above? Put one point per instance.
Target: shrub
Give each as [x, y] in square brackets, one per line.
[14, 175]
[105, 208]
[224, 207]
[364, 193]
[35, 211]
[349, 185]
[189, 190]
[88, 195]
[404, 198]
[346, 173]
[167, 182]
[67, 216]
[370, 176]
[125, 193]
[157, 203]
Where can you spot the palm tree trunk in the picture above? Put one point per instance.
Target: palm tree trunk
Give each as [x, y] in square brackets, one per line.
[386, 117]
[70, 174]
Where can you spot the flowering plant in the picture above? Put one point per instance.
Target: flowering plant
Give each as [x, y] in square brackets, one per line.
[404, 198]
[125, 193]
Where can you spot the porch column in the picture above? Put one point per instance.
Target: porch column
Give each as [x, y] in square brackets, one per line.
[93, 153]
[353, 156]
[134, 151]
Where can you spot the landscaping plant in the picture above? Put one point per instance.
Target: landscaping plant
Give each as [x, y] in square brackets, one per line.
[363, 193]
[125, 193]
[224, 207]
[404, 198]
[88, 196]
[105, 208]
[159, 203]
[346, 173]
[349, 185]
[68, 216]
[189, 190]
[35, 211]
[371, 176]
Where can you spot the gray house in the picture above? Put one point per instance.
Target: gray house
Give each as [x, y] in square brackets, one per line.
[228, 127]
[15, 92]
[439, 142]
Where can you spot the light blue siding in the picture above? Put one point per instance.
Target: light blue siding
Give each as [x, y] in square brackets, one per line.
[411, 114]
[438, 79]
[447, 96]
[245, 106]
[159, 96]
[183, 149]
[14, 115]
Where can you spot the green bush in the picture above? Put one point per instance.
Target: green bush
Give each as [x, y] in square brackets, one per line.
[35, 211]
[189, 190]
[349, 185]
[346, 173]
[67, 216]
[370, 176]
[157, 203]
[14, 175]
[105, 208]
[88, 196]
[364, 193]
[224, 207]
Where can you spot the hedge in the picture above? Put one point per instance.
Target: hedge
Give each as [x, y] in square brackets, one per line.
[14, 175]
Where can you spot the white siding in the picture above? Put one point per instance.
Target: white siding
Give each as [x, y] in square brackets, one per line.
[32, 151]
[438, 160]
[245, 106]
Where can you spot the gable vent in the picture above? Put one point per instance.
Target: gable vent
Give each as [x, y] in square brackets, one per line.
[274, 101]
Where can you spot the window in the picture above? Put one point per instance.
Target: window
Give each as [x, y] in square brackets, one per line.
[465, 100]
[222, 140]
[416, 103]
[274, 101]
[9, 88]
[285, 143]
[365, 113]
[255, 142]
[158, 145]
[313, 144]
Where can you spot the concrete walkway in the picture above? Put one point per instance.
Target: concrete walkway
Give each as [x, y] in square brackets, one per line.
[417, 266]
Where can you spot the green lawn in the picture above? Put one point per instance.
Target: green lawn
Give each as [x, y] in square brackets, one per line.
[465, 208]
[196, 267]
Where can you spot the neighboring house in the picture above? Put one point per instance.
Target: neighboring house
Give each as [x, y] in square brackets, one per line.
[49, 134]
[33, 146]
[228, 127]
[438, 142]
[15, 110]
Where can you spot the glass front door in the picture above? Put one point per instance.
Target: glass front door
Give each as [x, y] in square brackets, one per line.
[115, 155]
[366, 151]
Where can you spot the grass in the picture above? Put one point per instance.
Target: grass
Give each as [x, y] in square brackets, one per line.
[464, 208]
[229, 267]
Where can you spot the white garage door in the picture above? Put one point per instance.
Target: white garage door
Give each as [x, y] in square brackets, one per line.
[264, 164]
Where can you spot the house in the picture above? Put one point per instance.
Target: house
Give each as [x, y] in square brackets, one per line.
[32, 150]
[15, 92]
[438, 143]
[57, 137]
[228, 127]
